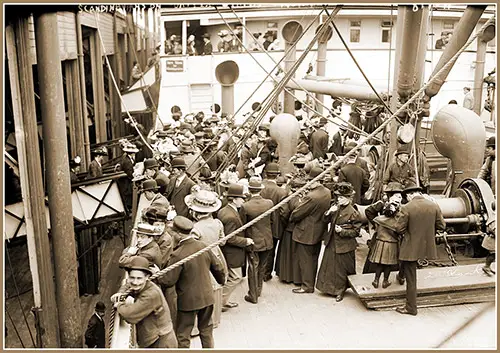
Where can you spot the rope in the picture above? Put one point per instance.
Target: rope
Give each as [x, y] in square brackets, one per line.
[312, 96]
[320, 176]
[132, 120]
[18, 297]
[277, 65]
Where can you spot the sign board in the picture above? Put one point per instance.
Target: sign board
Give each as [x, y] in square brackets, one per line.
[175, 65]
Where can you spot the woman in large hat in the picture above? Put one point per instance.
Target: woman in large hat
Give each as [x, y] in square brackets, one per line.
[339, 260]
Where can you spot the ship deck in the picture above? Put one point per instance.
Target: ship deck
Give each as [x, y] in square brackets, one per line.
[283, 319]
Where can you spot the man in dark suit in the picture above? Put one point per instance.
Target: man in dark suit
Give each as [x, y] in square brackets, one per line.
[424, 220]
[127, 165]
[151, 171]
[355, 175]
[234, 249]
[95, 167]
[318, 143]
[262, 236]
[194, 285]
[274, 193]
[146, 247]
[207, 45]
[179, 187]
[95, 335]
[309, 230]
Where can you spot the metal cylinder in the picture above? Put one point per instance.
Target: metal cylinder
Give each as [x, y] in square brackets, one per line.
[285, 130]
[461, 34]
[487, 35]
[336, 89]
[58, 178]
[227, 74]
[454, 207]
[321, 60]
[291, 32]
[459, 134]
[413, 21]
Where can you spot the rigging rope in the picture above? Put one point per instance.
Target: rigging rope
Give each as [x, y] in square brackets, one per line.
[320, 176]
[15, 327]
[241, 106]
[132, 120]
[308, 93]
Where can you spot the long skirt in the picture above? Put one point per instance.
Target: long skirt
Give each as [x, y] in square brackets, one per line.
[285, 260]
[384, 252]
[334, 269]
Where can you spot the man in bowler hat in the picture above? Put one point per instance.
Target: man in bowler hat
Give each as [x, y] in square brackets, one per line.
[95, 334]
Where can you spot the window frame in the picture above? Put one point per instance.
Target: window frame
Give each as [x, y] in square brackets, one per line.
[354, 25]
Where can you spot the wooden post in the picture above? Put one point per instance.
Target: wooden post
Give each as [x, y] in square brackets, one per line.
[30, 175]
[113, 94]
[58, 179]
[131, 47]
[74, 108]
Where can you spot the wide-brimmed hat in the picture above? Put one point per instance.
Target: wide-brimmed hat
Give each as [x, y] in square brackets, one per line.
[178, 162]
[101, 151]
[149, 184]
[272, 168]
[204, 201]
[199, 135]
[139, 263]
[300, 160]
[411, 187]
[235, 190]
[255, 183]
[150, 163]
[99, 306]
[491, 141]
[402, 150]
[147, 229]
[186, 147]
[344, 189]
[393, 187]
[182, 224]
[130, 148]
[210, 177]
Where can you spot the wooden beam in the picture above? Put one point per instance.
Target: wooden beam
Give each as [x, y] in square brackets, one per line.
[71, 109]
[23, 105]
[98, 88]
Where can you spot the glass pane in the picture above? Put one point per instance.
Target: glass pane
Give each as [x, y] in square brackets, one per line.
[355, 23]
[385, 36]
[355, 34]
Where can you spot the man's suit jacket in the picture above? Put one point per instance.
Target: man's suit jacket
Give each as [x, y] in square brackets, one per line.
[162, 182]
[95, 170]
[95, 335]
[355, 175]
[260, 232]
[275, 193]
[319, 143]
[176, 195]
[308, 216]
[127, 165]
[424, 220]
[350, 221]
[192, 280]
[151, 252]
[337, 146]
[234, 249]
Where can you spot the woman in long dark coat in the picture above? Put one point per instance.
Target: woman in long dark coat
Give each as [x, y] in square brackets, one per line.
[287, 269]
[339, 260]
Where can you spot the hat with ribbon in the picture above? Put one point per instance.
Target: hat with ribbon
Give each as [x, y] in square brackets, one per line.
[101, 151]
[130, 148]
[147, 229]
[150, 163]
[149, 184]
[235, 190]
[99, 306]
[411, 187]
[255, 183]
[139, 263]
[272, 168]
[186, 147]
[178, 162]
[344, 189]
[393, 187]
[204, 201]
[491, 142]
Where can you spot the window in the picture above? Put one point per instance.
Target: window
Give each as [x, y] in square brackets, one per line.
[449, 25]
[386, 31]
[355, 31]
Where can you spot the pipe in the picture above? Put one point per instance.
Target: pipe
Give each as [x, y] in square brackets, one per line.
[336, 89]
[461, 34]
[86, 140]
[227, 74]
[487, 35]
[291, 32]
[408, 65]
[58, 178]
[459, 134]
[285, 130]
[321, 61]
